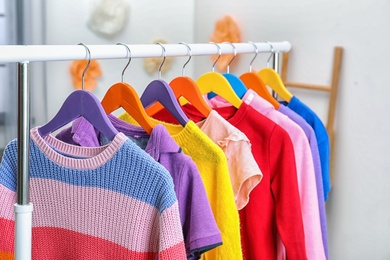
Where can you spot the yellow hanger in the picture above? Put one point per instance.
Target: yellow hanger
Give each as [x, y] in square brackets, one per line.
[217, 83]
[271, 78]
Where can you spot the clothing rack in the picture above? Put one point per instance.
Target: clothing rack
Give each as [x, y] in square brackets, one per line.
[24, 54]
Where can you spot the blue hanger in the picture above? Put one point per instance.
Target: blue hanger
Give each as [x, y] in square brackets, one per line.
[235, 82]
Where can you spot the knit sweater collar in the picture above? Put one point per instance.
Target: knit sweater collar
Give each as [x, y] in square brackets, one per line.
[76, 157]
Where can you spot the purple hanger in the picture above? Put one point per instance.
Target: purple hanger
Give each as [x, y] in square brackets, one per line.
[81, 103]
[159, 91]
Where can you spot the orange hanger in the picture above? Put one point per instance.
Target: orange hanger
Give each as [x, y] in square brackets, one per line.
[217, 83]
[185, 87]
[254, 82]
[272, 79]
[123, 95]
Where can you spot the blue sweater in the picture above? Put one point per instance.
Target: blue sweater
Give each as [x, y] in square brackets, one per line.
[322, 138]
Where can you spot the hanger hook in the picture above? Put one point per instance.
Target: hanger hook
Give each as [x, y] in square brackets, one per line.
[235, 54]
[162, 63]
[272, 52]
[189, 53]
[257, 51]
[89, 61]
[128, 53]
[219, 55]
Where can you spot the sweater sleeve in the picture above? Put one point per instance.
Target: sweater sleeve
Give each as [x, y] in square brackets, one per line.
[220, 194]
[7, 201]
[308, 197]
[324, 150]
[171, 244]
[7, 222]
[284, 188]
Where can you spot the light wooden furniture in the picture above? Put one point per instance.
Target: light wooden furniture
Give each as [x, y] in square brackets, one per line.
[332, 89]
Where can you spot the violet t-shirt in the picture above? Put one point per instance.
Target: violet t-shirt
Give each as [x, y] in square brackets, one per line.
[199, 227]
[81, 133]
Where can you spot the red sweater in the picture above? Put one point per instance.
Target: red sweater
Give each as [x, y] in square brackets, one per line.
[274, 205]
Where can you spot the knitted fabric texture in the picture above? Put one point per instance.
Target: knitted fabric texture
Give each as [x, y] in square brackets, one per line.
[111, 202]
[213, 169]
[200, 231]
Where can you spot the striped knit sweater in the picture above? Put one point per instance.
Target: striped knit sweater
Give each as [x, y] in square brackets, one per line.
[110, 202]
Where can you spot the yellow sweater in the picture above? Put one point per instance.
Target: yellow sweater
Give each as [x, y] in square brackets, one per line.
[213, 168]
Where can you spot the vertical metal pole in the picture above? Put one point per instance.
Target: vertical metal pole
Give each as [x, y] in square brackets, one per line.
[23, 133]
[276, 67]
[23, 209]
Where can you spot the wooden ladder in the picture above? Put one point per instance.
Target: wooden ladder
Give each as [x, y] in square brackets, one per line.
[332, 89]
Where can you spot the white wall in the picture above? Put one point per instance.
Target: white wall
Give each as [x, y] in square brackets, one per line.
[66, 23]
[358, 209]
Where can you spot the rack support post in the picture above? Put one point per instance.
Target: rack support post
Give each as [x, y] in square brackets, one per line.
[23, 208]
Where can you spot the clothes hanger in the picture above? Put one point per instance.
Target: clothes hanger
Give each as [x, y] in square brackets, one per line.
[185, 87]
[81, 103]
[123, 95]
[272, 79]
[254, 82]
[217, 83]
[236, 83]
[159, 91]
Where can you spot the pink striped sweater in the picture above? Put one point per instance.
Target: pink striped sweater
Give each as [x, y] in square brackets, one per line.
[110, 202]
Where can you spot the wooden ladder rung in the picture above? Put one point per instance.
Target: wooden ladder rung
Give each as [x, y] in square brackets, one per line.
[332, 89]
[307, 86]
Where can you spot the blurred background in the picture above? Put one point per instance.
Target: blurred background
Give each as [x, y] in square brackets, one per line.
[358, 209]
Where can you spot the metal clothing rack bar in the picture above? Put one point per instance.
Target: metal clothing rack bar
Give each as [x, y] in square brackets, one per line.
[23, 54]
